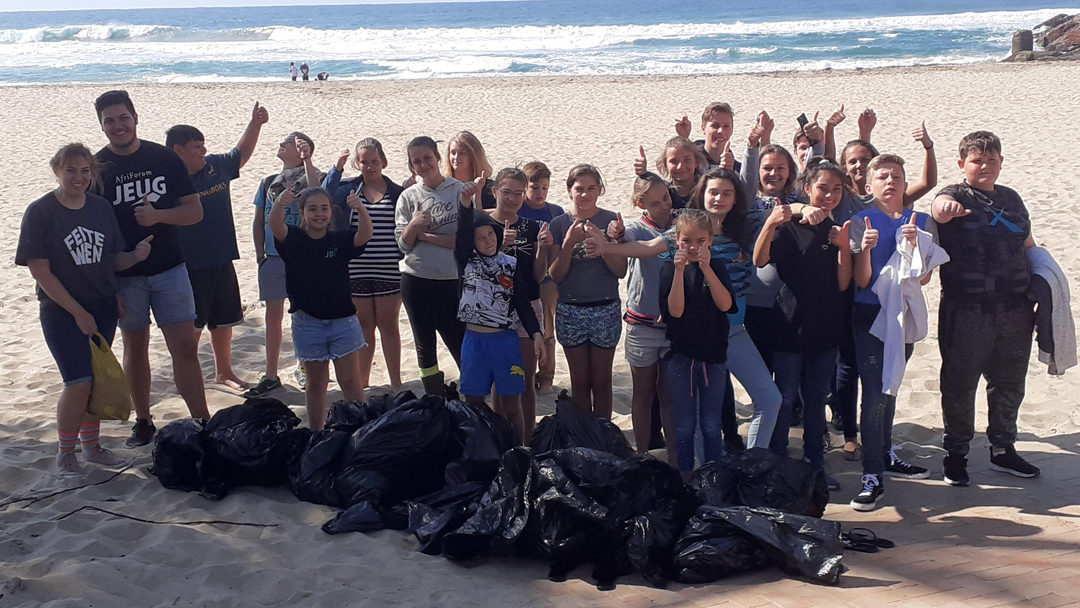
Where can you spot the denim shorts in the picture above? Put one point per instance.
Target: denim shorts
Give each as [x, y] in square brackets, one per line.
[272, 279]
[69, 346]
[168, 294]
[579, 324]
[491, 358]
[316, 339]
[645, 345]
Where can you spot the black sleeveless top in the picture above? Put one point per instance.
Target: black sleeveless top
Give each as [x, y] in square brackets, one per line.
[986, 248]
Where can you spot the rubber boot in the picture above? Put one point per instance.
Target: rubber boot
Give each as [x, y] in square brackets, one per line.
[433, 384]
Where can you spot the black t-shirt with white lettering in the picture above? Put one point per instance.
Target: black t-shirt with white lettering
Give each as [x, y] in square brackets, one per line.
[317, 272]
[78, 243]
[156, 173]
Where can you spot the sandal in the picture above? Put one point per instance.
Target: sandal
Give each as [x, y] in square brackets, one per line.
[865, 541]
[854, 454]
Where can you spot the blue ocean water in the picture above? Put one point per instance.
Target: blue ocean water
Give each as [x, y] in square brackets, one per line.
[535, 37]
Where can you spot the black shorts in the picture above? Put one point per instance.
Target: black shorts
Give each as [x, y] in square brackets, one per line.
[217, 296]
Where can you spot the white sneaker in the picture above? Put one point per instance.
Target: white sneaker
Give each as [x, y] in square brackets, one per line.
[300, 375]
[103, 456]
[69, 465]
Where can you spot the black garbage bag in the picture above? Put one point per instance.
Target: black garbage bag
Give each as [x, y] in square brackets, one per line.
[432, 516]
[571, 427]
[759, 478]
[651, 537]
[366, 516]
[349, 416]
[312, 480]
[401, 454]
[179, 455]
[709, 549]
[499, 516]
[481, 436]
[253, 443]
[799, 545]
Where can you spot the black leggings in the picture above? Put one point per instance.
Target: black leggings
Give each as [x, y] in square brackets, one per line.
[431, 306]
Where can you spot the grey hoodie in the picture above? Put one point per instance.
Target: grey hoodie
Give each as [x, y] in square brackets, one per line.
[423, 259]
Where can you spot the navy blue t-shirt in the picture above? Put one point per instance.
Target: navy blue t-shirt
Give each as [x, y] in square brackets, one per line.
[212, 242]
[317, 272]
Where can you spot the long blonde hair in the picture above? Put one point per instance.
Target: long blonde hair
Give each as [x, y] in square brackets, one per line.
[478, 157]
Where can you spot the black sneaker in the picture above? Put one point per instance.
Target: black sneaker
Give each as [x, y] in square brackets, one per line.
[956, 470]
[872, 491]
[1008, 461]
[898, 468]
[141, 434]
[264, 386]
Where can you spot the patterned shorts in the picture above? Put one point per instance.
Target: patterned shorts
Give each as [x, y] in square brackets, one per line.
[596, 324]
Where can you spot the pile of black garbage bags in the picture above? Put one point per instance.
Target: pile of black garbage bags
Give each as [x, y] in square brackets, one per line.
[447, 472]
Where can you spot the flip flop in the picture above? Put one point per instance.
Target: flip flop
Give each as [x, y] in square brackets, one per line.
[864, 540]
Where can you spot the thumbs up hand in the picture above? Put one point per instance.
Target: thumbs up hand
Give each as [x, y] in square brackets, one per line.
[641, 164]
[728, 159]
[683, 127]
[869, 237]
[910, 230]
[952, 209]
[509, 235]
[616, 228]
[142, 249]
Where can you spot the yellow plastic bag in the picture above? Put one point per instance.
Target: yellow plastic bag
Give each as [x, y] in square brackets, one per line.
[110, 398]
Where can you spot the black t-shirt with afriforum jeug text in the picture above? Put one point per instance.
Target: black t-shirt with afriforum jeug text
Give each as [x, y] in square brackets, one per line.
[317, 272]
[155, 174]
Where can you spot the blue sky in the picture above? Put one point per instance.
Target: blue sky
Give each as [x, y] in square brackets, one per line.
[50, 5]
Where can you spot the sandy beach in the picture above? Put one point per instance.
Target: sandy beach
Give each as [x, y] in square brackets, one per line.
[93, 558]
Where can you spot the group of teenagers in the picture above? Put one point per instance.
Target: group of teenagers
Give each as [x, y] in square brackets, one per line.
[780, 270]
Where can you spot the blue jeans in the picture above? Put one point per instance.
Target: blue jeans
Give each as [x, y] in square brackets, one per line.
[878, 409]
[808, 375]
[697, 392]
[745, 363]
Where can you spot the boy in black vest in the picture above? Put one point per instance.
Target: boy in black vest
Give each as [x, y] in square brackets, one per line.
[986, 320]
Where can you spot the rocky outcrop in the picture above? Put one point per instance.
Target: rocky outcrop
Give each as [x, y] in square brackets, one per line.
[1059, 38]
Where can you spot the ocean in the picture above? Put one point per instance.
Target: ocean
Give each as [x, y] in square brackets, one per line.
[524, 38]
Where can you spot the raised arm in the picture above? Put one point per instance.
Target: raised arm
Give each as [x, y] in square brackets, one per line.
[929, 178]
[839, 236]
[763, 246]
[676, 300]
[277, 213]
[864, 270]
[544, 242]
[246, 145]
[721, 297]
[364, 229]
[830, 132]
[867, 121]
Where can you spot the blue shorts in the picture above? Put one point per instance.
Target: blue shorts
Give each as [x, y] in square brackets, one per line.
[316, 339]
[69, 346]
[167, 293]
[491, 358]
[599, 325]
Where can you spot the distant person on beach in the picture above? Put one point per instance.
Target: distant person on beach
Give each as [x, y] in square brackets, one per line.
[425, 226]
[151, 194]
[304, 71]
[374, 278]
[986, 319]
[297, 172]
[73, 246]
[537, 207]
[209, 247]
[324, 323]
[292, 70]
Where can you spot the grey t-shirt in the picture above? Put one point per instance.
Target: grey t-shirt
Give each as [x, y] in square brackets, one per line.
[643, 286]
[423, 259]
[78, 243]
[589, 279]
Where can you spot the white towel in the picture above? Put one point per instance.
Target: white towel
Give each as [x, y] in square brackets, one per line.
[1064, 329]
[903, 316]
